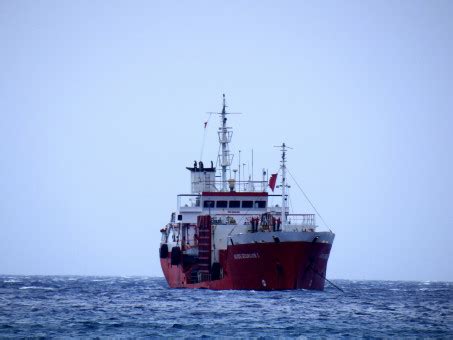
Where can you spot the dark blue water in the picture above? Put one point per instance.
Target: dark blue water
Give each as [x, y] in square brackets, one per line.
[121, 306]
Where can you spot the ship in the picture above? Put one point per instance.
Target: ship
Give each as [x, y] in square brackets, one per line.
[237, 233]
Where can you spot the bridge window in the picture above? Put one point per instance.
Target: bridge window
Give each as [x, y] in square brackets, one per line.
[247, 204]
[260, 204]
[235, 204]
[208, 204]
[222, 204]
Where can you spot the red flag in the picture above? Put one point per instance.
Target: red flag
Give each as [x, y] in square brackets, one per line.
[272, 181]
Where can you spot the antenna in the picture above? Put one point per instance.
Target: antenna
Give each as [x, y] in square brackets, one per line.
[239, 166]
[252, 165]
[243, 171]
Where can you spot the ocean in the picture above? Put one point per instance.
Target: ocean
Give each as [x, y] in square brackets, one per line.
[79, 306]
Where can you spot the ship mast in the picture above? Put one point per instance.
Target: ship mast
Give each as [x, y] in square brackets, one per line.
[283, 185]
[223, 139]
[225, 135]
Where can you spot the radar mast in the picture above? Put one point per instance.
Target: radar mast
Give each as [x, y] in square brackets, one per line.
[225, 134]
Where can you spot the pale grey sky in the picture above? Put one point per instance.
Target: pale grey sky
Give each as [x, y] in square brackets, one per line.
[102, 105]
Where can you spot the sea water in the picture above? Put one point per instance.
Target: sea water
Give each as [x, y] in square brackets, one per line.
[57, 306]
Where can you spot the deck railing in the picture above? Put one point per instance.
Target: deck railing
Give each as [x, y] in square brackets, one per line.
[239, 186]
[302, 219]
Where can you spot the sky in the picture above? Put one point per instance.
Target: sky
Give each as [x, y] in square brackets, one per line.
[102, 105]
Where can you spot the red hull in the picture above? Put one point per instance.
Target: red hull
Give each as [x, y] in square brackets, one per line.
[260, 266]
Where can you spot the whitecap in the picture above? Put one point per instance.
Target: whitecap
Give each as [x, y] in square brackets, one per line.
[35, 287]
[11, 281]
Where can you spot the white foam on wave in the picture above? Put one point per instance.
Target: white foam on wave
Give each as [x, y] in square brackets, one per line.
[35, 287]
[11, 281]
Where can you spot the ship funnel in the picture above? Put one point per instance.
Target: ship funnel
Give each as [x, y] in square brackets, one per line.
[202, 178]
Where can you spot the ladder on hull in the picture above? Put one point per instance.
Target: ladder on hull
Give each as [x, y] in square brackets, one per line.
[204, 247]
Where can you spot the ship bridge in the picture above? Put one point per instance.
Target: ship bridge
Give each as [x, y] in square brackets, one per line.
[227, 206]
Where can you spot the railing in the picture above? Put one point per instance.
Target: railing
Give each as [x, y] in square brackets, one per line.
[239, 186]
[204, 277]
[189, 202]
[265, 220]
[221, 219]
[302, 219]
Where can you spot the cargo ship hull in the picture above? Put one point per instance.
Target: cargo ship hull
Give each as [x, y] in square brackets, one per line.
[259, 266]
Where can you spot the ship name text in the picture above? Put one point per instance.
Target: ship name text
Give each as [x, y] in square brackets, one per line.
[246, 256]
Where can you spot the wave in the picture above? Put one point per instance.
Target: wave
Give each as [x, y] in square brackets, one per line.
[121, 307]
[36, 287]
